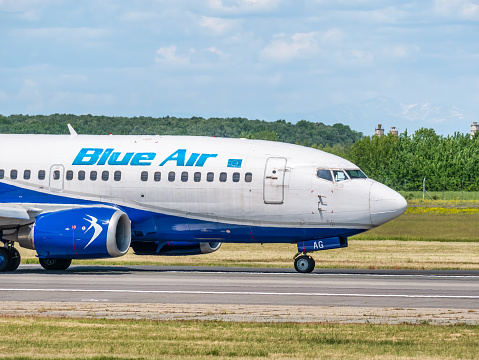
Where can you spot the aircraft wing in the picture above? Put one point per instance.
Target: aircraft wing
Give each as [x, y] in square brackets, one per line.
[18, 212]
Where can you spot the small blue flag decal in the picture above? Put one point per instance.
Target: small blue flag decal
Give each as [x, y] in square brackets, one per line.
[235, 163]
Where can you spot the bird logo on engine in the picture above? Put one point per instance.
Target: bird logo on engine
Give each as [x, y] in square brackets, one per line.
[93, 224]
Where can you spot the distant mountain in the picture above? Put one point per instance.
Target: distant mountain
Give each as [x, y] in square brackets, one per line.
[445, 119]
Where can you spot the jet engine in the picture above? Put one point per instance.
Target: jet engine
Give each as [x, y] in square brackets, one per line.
[83, 233]
[174, 248]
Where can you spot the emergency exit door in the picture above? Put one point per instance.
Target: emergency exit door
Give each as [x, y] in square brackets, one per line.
[56, 178]
[274, 172]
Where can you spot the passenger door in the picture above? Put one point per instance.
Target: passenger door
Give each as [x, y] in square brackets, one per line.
[274, 173]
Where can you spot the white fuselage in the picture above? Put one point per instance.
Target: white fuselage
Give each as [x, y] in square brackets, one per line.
[232, 183]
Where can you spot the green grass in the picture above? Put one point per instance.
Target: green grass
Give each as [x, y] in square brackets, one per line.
[51, 338]
[441, 195]
[426, 226]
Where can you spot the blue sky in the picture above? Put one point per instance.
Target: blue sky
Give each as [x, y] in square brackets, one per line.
[261, 59]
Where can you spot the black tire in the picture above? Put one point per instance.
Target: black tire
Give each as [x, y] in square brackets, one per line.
[5, 259]
[55, 264]
[304, 264]
[16, 259]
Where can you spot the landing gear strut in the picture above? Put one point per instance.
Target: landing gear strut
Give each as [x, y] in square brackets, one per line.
[304, 263]
[9, 257]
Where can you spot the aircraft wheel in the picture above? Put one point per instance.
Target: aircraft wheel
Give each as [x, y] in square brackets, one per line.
[5, 259]
[15, 259]
[55, 264]
[304, 264]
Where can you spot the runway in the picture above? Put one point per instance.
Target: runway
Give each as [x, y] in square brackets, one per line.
[436, 291]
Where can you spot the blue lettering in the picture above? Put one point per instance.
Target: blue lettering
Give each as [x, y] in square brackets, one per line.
[98, 156]
[178, 156]
[142, 159]
[191, 161]
[113, 160]
[104, 157]
[203, 158]
[87, 156]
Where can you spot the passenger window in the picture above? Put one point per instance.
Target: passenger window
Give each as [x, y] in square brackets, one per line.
[236, 177]
[171, 176]
[197, 177]
[223, 177]
[210, 177]
[248, 177]
[324, 174]
[13, 174]
[339, 175]
[81, 175]
[2, 173]
[93, 175]
[157, 176]
[69, 175]
[184, 176]
[117, 175]
[27, 174]
[105, 175]
[56, 175]
[144, 176]
[41, 174]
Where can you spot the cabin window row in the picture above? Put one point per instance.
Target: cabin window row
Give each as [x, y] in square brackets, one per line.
[27, 174]
[105, 175]
[197, 176]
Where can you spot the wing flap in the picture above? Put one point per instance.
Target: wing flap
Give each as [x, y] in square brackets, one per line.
[18, 212]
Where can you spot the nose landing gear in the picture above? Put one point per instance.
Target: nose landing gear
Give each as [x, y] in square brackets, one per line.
[304, 263]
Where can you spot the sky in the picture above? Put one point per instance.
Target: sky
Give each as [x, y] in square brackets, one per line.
[259, 59]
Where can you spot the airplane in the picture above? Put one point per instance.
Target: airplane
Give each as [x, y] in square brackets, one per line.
[96, 196]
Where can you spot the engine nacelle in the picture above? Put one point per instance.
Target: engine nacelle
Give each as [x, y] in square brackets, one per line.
[174, 248]
[84, 233]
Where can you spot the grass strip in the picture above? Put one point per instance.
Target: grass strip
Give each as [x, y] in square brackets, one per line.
[64, 338]
[361, 254]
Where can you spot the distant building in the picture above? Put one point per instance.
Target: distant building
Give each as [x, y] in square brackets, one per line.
[379, 131]
[393, 131]
[474, 128]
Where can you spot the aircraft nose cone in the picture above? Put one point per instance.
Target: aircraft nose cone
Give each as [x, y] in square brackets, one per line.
[385, 204]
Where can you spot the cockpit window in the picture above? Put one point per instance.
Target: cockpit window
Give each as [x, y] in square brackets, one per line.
[356, 174]
[324, 174]
[339, 175]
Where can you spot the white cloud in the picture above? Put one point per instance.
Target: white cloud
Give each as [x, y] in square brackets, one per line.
[216, 25]
[139, 16]
[401, 50]
[332, 36]
[243, 6]
[215, 51]
[464, 9]
[301, 45]
[85, 36]
[168, 55]
[30, 10]
[198, 59]
[354, 58]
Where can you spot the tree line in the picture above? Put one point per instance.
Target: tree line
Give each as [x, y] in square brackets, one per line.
[303, 132]
[402, 162]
